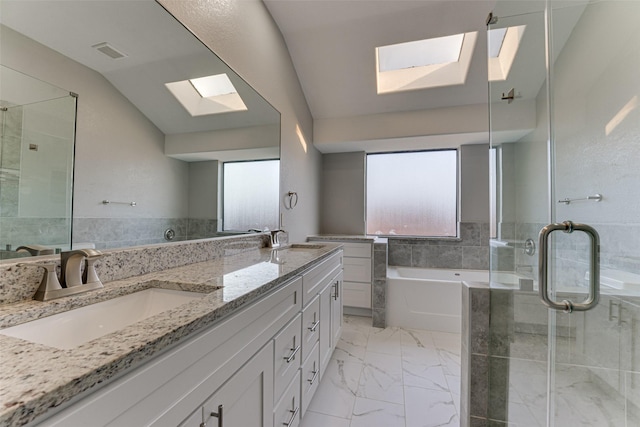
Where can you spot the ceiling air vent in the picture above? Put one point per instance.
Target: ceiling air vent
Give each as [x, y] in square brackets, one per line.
[109, 50]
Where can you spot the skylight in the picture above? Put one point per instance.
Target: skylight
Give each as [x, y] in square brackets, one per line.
[423, 64]
[442, 50]
[503, 47]
[496, 37]
[207, 95]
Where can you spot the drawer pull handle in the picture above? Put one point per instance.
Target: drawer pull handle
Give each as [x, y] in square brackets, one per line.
[315, 375]
[337, 286]
[313, 327]
[293, 417]
[218, 415]
[292, 356]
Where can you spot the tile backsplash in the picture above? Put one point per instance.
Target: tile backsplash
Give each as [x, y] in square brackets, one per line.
[20, 283]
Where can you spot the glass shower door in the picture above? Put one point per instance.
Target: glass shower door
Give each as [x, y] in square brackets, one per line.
[578, 162]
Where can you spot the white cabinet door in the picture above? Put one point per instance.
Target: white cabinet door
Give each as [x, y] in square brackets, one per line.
[325, 327]
[246, 399]
[336, 310]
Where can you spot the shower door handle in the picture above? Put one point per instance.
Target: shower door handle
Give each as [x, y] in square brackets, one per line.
[594, 268]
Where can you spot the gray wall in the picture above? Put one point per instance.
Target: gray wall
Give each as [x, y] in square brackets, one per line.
[343, 193]
[474, 183]
[203, 190]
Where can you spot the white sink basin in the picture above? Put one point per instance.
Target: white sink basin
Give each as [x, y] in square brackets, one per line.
[75, 327]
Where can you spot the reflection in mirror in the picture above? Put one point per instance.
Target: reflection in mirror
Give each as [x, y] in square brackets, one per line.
[138, 138]
[36, 165]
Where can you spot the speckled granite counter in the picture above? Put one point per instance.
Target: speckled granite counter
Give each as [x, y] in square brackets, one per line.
[34, 377]
[343, 238]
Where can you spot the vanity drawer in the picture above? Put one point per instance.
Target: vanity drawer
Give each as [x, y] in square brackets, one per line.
[319, 276]
[287, 411]
[357, 250]
[357, 269]
[355, 294]
[310, 377]
[310, 326]
[288, 358]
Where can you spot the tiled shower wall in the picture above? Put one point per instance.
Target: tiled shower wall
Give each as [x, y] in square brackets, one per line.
[107, 233]
[470, 251]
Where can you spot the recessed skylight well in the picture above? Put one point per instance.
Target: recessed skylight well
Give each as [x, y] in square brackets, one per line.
[207, 95]
[423, 64]
[503, 46]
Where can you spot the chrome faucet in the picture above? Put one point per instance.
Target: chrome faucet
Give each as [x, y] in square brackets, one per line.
[274, 241]
[72, 279]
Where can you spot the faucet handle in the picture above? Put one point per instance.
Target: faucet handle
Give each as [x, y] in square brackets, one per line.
[89, 275]
[49, 281]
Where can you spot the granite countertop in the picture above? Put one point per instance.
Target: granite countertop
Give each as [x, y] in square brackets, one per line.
[35, 377]
[343, 238]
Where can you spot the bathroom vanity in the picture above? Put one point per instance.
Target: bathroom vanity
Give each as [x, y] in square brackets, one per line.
[250, 352]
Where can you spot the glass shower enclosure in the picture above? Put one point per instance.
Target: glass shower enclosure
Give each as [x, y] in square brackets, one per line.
[37, 137]
[565, 137]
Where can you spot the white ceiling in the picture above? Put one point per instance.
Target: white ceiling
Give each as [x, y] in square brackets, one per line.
[332, 44]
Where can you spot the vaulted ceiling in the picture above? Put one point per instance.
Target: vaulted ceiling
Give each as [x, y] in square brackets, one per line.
[332, 45]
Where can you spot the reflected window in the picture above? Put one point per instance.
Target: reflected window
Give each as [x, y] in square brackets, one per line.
[250, 195]
[412, 193]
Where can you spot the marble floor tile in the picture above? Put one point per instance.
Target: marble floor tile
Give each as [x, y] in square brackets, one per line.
[381, 378]
[371, 370]
[416, 338]
[424, 375]
[336, 393]
[315, 419]
[374, 413]
[429, 408]
[353, 342]
[386, 341]
[447, 341]
[450, 361]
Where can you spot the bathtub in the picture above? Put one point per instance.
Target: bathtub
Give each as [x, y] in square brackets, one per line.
[427, 298]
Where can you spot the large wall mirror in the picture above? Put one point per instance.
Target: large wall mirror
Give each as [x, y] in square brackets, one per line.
[170, 143]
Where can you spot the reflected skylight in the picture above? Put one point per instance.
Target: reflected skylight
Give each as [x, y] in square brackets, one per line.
[207, 95]
[213, 85]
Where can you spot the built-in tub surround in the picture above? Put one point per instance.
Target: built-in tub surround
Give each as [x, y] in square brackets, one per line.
[470, 251]
[37, 378]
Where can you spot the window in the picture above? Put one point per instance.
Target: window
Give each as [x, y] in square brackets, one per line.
[413, 193]
[250, 195]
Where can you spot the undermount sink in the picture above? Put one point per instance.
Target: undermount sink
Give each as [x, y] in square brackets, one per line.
[75, 327]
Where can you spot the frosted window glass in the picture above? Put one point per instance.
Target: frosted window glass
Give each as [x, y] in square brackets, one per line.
[412, 194]
[250, 198]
